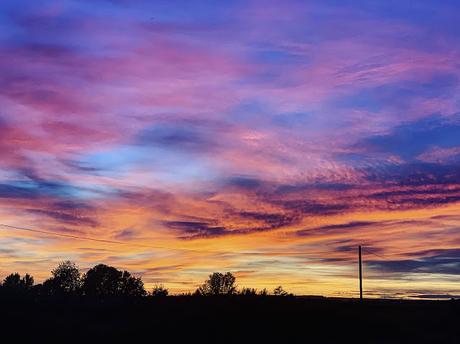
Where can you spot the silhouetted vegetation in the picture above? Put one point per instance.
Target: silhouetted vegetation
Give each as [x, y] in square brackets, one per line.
[279, 291]
[15, 283]
[107, 281]
[253, 292]
[159, 291]
[218, 284]
[104, 280]
[109, 305]
[65, 280]
[226, 319]
[248, 292]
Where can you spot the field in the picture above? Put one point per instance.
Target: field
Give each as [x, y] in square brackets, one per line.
[230, 320]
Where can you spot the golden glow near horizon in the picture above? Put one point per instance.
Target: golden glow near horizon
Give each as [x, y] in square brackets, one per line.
[322, 260]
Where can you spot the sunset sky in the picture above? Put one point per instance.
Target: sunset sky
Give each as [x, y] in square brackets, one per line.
[265, 138]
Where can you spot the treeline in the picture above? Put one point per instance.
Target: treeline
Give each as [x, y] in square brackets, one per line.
[103, 280]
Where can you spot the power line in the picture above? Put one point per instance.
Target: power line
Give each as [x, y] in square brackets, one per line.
[183, 249]
[61, 234]
[117, 242]
[107, 241]
[375, 254]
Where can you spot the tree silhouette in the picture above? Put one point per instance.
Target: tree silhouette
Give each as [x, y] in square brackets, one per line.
[248, 292]
[104, 280]
[27, 282]
[14, 282]
[218, 284]
[48, 287]
[159, 291]
[263, 292]
[101, 280]
[66, 278]
[131, 286]
[279, 291]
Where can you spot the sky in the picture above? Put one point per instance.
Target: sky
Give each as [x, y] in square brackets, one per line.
[266, 138]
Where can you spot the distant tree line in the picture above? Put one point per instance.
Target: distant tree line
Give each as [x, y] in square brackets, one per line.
[66, 279]
[106, 281]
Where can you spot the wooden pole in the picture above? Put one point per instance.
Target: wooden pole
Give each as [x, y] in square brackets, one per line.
[360, 275]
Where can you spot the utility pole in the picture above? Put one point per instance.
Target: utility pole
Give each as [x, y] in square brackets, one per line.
[360, 275]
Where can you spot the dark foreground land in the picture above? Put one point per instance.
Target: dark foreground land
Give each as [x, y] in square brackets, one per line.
[228, 320]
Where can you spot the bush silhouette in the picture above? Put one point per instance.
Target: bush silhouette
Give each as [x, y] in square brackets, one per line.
[248, 292]
[263, 292]
[279, 291]
[159, 291]
[218, 284]
[104, 280]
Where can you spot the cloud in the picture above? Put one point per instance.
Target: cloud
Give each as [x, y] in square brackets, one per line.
[243, 223]
[415, 174]
[413, 192]
[271, 220]
[17, 191]
[313, 208]
[36, 187]
[410, 140]
[195, 229]
[445, 261]
[70, 205]
[336, 228]
[125, 234]
[245, 182]
[285, 189]
[65, 217]
[348, 225]
[177, 136]
[433, 296]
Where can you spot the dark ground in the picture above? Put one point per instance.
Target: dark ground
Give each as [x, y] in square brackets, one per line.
[228, 320]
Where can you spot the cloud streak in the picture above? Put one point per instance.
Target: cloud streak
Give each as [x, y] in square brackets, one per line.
[218, 136]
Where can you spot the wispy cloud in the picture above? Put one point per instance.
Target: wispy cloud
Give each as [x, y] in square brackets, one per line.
[217, 133]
